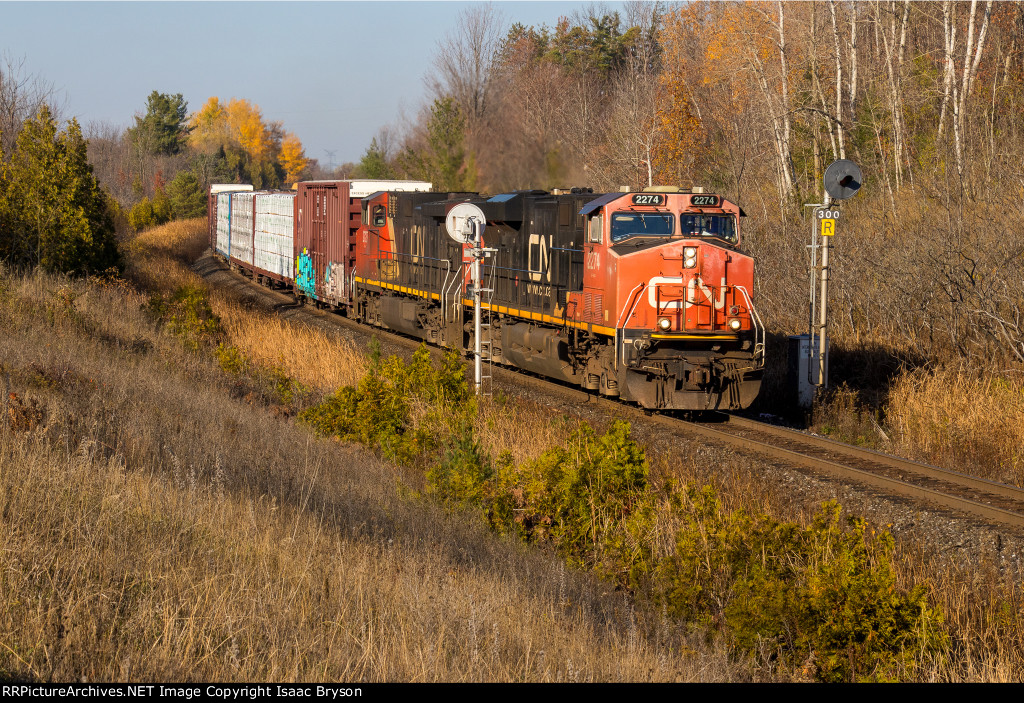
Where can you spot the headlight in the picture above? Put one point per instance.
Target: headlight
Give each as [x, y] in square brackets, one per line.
[690, 252]
[665, 323]
[691, 262]
[735, 325]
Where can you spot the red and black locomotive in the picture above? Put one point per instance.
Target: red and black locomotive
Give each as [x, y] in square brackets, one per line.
[645, 296]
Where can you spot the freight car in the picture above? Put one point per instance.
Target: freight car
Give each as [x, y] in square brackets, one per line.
[646, 296]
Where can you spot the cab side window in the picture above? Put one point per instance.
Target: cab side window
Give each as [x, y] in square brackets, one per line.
[596, 226]
[378, 216]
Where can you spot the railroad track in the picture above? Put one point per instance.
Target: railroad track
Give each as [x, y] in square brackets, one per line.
[987, 501]
[991, 502]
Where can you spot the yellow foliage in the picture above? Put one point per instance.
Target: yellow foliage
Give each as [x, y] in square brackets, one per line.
[685, 32]
[245, 123]
[238, 127]
[208, 128]
[292, 158]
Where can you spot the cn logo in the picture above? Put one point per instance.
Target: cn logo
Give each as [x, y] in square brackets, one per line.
[538, 262]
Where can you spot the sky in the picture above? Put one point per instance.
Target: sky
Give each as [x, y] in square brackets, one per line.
[333, 72]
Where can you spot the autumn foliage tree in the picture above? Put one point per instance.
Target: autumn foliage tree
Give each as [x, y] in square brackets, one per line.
[254, 151]
[292, 158]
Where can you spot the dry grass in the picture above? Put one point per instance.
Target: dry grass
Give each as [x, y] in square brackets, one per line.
[961, 418]
[523, 430]
[159, 527]
[310, 356]
[158, 258]
[160, 524]
[116, 573]
[982, 607]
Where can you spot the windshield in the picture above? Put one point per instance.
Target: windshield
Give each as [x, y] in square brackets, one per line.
[642, 224]
[720, 226]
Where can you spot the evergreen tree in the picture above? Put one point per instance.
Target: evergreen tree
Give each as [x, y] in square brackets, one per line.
[141, 215]
[162, 208]
[374, 163]
[187, 196]
[163, 129]
[56, 216]
[446, 134]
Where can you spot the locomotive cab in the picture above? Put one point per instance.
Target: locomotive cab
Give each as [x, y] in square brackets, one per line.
[673, 280]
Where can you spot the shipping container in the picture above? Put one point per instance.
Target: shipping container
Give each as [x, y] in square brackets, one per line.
[328, 217]
[240, 243]
[274, 239]
[211, 208]
[222, 243]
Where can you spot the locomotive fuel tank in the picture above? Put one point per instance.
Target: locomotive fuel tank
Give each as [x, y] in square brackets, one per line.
[540, 350]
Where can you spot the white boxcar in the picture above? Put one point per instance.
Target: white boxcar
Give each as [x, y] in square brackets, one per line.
[220, 214]
[240, 244]
[223, 215]
[275, 234]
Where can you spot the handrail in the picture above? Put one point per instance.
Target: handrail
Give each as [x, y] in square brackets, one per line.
[759, 331]
[618, 322]
[450, 286]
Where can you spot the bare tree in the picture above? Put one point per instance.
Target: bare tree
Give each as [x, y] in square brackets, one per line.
[839, 78]
[895, 43]
[632, 124]
[110, 154]
[773, 83]
[465, 59]
[632, 131]
[970, 71]
[21, 95]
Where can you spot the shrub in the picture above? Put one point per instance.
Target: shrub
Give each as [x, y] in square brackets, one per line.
[141, 215]
[823, 597]
[591, 499]
[231, 359]
[465, 473]
[187, 313]
[403, 410]
[162, 209]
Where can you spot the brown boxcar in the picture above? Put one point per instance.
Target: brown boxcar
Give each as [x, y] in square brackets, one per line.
[328, 215]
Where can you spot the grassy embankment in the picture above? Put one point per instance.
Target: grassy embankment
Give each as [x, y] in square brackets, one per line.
[161, 522]
[259, 552]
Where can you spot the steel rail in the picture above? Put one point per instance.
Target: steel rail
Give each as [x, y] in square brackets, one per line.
[895, 486]
[927, 470]
[833, 469]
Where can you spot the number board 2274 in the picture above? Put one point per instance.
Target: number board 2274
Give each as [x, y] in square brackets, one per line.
[704, 200]
[648, 199]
